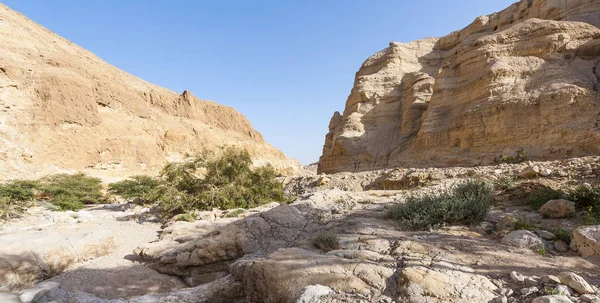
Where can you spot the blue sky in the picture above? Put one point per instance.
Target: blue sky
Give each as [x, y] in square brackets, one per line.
[286, 65]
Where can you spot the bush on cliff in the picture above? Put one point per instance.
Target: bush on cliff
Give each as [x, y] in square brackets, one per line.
[465, 203]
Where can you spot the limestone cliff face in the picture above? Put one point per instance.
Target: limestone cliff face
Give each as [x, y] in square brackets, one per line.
[527, 77]
[63, 109]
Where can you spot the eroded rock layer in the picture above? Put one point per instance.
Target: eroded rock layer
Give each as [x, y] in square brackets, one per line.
[524, 78]
[64, 109]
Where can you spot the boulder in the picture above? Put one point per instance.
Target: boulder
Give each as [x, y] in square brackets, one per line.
[558, 208]
[8, 298]
[550, 279]
[313, 293]
[32, 295]
[523, 239]
[218, 245]
[517, 277]
[590, 298]
[564, 290]
[576, 282]
[529, 172]
[552, 299]
[546, 235]
[586, 240]
[561, 246]
[286, 272]
[447, 283]
[323, 181]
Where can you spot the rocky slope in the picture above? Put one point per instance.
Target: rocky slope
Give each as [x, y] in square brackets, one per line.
[64, 109]
[526, 77]
[270, 254]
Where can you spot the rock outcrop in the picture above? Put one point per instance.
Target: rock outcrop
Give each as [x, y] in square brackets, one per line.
[63, 109]
[524, 78]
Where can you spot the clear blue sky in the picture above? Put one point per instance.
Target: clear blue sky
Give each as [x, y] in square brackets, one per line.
[286, 65]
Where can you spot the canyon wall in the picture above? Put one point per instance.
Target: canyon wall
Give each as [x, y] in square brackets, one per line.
[524, 78]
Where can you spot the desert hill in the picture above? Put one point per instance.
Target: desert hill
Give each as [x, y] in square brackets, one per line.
[63, 109]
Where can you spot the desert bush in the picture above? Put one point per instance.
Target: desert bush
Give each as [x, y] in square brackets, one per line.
[186, 217]
[540, 196]
[522, 224]
[71, 192]
[503, 183]
[221, 181]
[235, 213]
[16, 196]
[587, 198]
[465, 203]
[327, 241]
[135, 188]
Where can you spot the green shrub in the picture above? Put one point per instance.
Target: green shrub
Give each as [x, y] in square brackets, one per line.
[327, 241]
[540, 196]
[222, 181]
[465, 203]
[585, 196]
[186, 218]
[71, 192]
[522, 224]
[503, 183]
[135, 188]
[16, 196]
[563, 234]
[520, 156]
[235, 213]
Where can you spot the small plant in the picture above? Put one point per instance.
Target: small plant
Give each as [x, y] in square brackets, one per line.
[522, 224]
[563, 234]
[465, 203]
[327, 241]
[540, 196]
[551, 291]
[71, 192]
[186, 217]
[520, 156]
[136, 188]
[542, 251]
[234, 213]
[503, 183]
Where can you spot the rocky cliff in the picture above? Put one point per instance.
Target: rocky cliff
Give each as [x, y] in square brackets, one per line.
[64, 109]
[523, 78]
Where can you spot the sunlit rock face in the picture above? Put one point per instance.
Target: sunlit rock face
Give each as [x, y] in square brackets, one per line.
[524, 78]
[63, 109]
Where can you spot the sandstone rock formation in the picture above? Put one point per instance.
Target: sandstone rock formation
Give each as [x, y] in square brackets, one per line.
[526, 77]
[63, 109]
